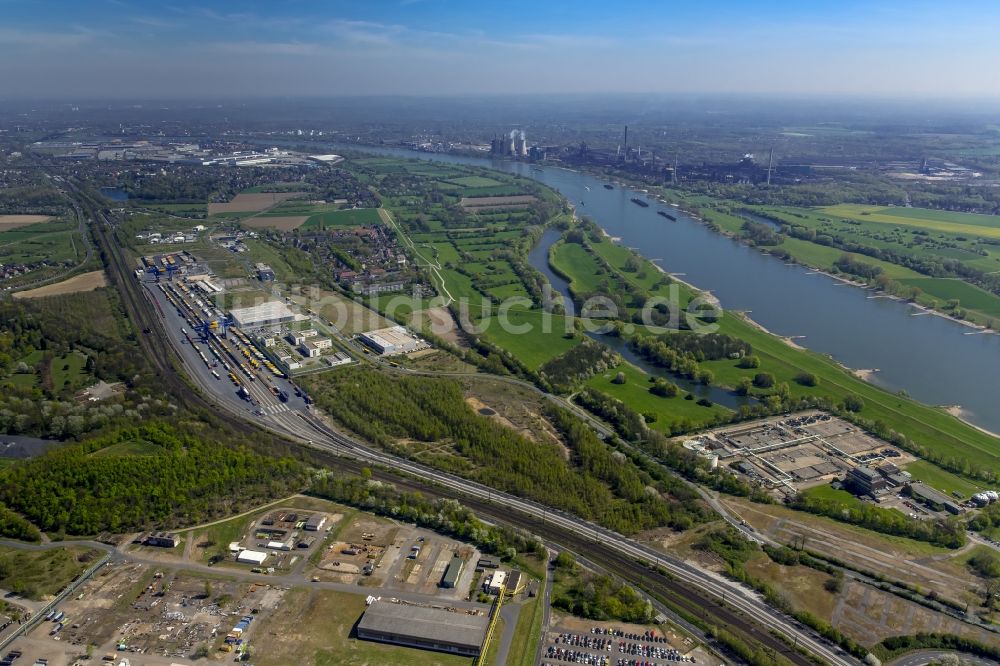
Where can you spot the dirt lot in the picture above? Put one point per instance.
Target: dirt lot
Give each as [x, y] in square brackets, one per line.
[77, 283]
[8, 222]
[283, 223]
[251, 203]
[387, 550]
[155, 612]
[442, 324]
[348, 316]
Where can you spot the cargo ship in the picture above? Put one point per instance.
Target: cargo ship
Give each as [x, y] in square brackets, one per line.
[609, 187]
[666, 215]
[639, 202]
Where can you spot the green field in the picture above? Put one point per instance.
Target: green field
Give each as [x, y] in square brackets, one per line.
[546, 339]
[38, 574]
[946, 482]
[475, 181]
[579, 266]
[669, 411]
[969, 296]
[922, 218]
[350, 217]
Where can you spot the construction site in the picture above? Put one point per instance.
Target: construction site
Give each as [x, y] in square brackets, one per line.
[791, 453]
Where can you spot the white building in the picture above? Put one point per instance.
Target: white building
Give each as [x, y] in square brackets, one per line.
[495, 581]
[267, 313]
[251, 557]
[393, 340]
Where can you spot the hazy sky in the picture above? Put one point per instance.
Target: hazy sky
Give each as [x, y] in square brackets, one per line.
[173, 48]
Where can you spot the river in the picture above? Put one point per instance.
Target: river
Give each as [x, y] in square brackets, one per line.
[936, 361]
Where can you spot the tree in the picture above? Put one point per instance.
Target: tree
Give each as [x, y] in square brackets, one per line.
[763, 380]
[806, 379]
[853, 403]
[749, 361]
[619, 378]
[744, 386]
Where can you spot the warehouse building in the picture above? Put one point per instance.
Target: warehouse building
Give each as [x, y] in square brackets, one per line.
[422, 627]
[251, 557]
[315, 522]
[451, 574]
[265, 314]
[393, 340]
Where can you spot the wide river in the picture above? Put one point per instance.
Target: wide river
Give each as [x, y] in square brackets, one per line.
[934, 360]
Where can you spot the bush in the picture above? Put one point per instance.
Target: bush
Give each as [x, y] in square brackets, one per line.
[806, 379]
[748, 362]
[763, 380]
[853, 403]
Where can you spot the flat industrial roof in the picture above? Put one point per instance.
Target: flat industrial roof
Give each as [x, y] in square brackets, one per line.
[267, 311]
[391, 337]
[433, 624]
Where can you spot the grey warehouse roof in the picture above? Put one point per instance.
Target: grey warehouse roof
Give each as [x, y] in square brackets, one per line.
[433, 624]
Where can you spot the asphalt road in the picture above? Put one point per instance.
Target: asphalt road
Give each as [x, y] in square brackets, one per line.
[922, 657]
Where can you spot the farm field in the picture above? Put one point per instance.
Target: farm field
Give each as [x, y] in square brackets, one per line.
[283, 223]
[75, 284]
[932, 220]
[247, 202]
[8, 222]
[349, 217]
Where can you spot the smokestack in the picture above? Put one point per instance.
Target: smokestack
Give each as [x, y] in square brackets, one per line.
[626, 142]
[770, 163]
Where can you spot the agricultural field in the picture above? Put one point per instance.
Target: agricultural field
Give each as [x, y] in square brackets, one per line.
[350, 217]
[923, 218]
[77, 283]
[10, 222]
[247, 202]
[49, 247]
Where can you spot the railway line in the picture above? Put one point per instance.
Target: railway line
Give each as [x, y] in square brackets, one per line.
[717, 601]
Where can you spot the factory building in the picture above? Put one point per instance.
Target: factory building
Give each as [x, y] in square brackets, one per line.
[163, 540]
[265, 314]
[865, 481]
[264, 273]
[422, 627]
[393, 340]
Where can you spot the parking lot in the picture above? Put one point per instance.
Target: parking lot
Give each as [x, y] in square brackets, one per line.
[612, 647]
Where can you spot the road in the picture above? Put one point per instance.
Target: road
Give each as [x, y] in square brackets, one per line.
[922, 657]
[698, 591]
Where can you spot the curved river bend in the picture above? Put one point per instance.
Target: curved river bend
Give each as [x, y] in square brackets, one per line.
[936, 361]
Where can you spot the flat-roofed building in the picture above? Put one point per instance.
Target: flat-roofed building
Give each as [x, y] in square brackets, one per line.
[495, 582]
[865, 481]
[163, 540]
[265, 314]
[315, 522]
[251, 557]
[423, 627]
[392, 340]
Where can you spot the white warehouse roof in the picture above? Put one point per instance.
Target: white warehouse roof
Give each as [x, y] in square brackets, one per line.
[269, 312]
[251, 557]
